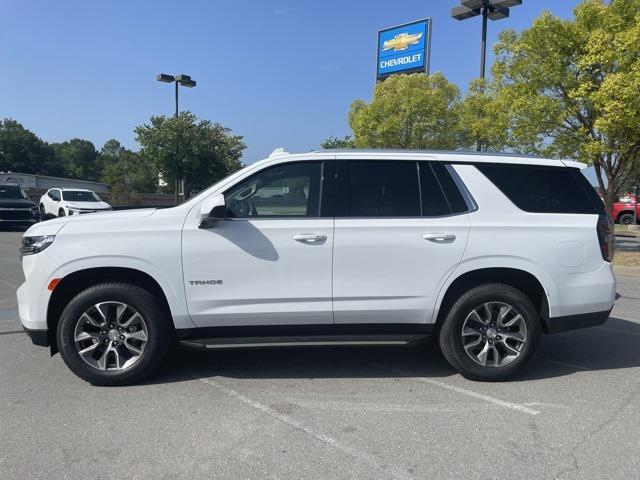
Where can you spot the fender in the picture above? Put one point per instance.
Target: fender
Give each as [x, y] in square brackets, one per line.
[500, 261]
[173, 290]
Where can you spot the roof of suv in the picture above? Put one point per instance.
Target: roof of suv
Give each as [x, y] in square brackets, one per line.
[438, 155]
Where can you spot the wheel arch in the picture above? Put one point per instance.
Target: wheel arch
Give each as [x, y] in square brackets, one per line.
[73, 283]
[522, 280]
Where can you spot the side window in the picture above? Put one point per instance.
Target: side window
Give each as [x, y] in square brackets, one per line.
[451, 190]
[540, 189]
[55, 195]
[287, 190]
[383, 189]
[434, 203]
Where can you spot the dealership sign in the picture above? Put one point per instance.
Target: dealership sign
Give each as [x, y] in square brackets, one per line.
[404, 49]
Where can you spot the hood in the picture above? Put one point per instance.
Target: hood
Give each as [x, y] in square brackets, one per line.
[16, 203]
[52, 227]
[88, 205]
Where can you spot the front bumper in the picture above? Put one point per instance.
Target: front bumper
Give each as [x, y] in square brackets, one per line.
[38, 337]
[574, 322]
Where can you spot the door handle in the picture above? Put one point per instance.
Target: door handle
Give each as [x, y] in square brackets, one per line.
[439, 237]
[309, 238]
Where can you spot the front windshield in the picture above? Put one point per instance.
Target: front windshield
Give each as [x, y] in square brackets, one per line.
[12, 192]
[79, 196]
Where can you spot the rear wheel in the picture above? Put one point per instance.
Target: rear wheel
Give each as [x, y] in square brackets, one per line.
[490, 333]
[626, 219]
[113, 334]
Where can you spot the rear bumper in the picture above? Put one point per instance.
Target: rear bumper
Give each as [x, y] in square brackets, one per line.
[38, 337]
[575, 322]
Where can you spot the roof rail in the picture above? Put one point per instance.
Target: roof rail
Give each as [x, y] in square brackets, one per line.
[278, 151]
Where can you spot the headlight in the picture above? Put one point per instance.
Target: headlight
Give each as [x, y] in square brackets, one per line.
[36, 244]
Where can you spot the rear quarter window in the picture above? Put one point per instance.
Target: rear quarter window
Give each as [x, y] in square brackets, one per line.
[542, 189]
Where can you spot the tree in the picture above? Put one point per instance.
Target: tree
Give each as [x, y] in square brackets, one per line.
[334, 142]
[409, 111]
[199, 150]
[79, 158]
[22, 151]
[483, 118]
[572, 88]
[125, 171]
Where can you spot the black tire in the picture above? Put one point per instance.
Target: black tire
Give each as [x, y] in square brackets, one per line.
[61, 213]
[450, 337]
[43, 215]
[626, 219]
[159, 326]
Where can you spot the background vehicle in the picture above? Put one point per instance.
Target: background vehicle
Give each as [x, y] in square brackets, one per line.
[622, 211]
[61, 202]
[484, 252]
[15, 207]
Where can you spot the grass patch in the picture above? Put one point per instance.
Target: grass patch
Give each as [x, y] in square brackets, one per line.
[627, 259]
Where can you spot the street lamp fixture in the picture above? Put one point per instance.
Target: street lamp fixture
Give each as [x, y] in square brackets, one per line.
[491, 9]
[185, 81]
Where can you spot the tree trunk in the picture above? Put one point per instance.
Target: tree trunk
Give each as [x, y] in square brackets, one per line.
[187, 189]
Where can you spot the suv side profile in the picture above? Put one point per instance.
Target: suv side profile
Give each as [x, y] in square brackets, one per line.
[62, 202]
[482, 252]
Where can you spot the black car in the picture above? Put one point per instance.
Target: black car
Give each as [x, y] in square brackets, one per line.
[16, 208]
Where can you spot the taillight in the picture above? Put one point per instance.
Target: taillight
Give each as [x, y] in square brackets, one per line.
[606, 236]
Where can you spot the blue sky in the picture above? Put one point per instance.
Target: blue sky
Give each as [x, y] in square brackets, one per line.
[280, 73]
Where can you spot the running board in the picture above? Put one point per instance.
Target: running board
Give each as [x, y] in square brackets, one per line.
[304, 341]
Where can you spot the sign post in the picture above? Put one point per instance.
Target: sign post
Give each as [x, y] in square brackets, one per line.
[404, 49]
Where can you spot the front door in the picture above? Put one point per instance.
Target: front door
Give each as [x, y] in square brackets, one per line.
[397, 237]
[269, 263]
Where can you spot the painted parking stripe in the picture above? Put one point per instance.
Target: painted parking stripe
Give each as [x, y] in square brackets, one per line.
[462, 391]
[391, 470]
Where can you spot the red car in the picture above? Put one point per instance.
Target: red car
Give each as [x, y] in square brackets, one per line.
[622, 211]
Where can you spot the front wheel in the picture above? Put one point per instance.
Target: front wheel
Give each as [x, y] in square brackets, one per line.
[113, 334]
[61, 213]
[490, 333]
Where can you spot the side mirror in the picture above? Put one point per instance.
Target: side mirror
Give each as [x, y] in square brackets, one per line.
[212, 210]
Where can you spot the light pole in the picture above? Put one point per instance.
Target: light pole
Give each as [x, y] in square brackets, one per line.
[492, 9]
[185, 81]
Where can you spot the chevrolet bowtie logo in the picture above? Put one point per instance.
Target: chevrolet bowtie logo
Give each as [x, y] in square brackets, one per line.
[402, 41]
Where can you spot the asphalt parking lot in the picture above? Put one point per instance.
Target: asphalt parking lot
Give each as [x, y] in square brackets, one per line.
[326, 413]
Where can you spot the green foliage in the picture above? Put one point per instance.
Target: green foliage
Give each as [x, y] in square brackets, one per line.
[409, 111]
[79, 159]
[483, 118]
[334, 142]
[125, 172]
[22, 151]
[199, 150]
[572, 88]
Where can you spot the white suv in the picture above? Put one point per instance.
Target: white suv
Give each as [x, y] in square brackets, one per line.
[60, 202]
[482, 252]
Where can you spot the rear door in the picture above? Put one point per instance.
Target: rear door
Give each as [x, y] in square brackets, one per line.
[397, 238]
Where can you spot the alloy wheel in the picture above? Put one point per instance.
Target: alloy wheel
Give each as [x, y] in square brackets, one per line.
[494, 334]
[111, 336]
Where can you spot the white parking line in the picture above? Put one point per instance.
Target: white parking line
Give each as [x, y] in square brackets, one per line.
[462, 391]
[392, 470]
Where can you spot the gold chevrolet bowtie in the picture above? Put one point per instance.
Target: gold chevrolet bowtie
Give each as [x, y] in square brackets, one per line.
[401, 41]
